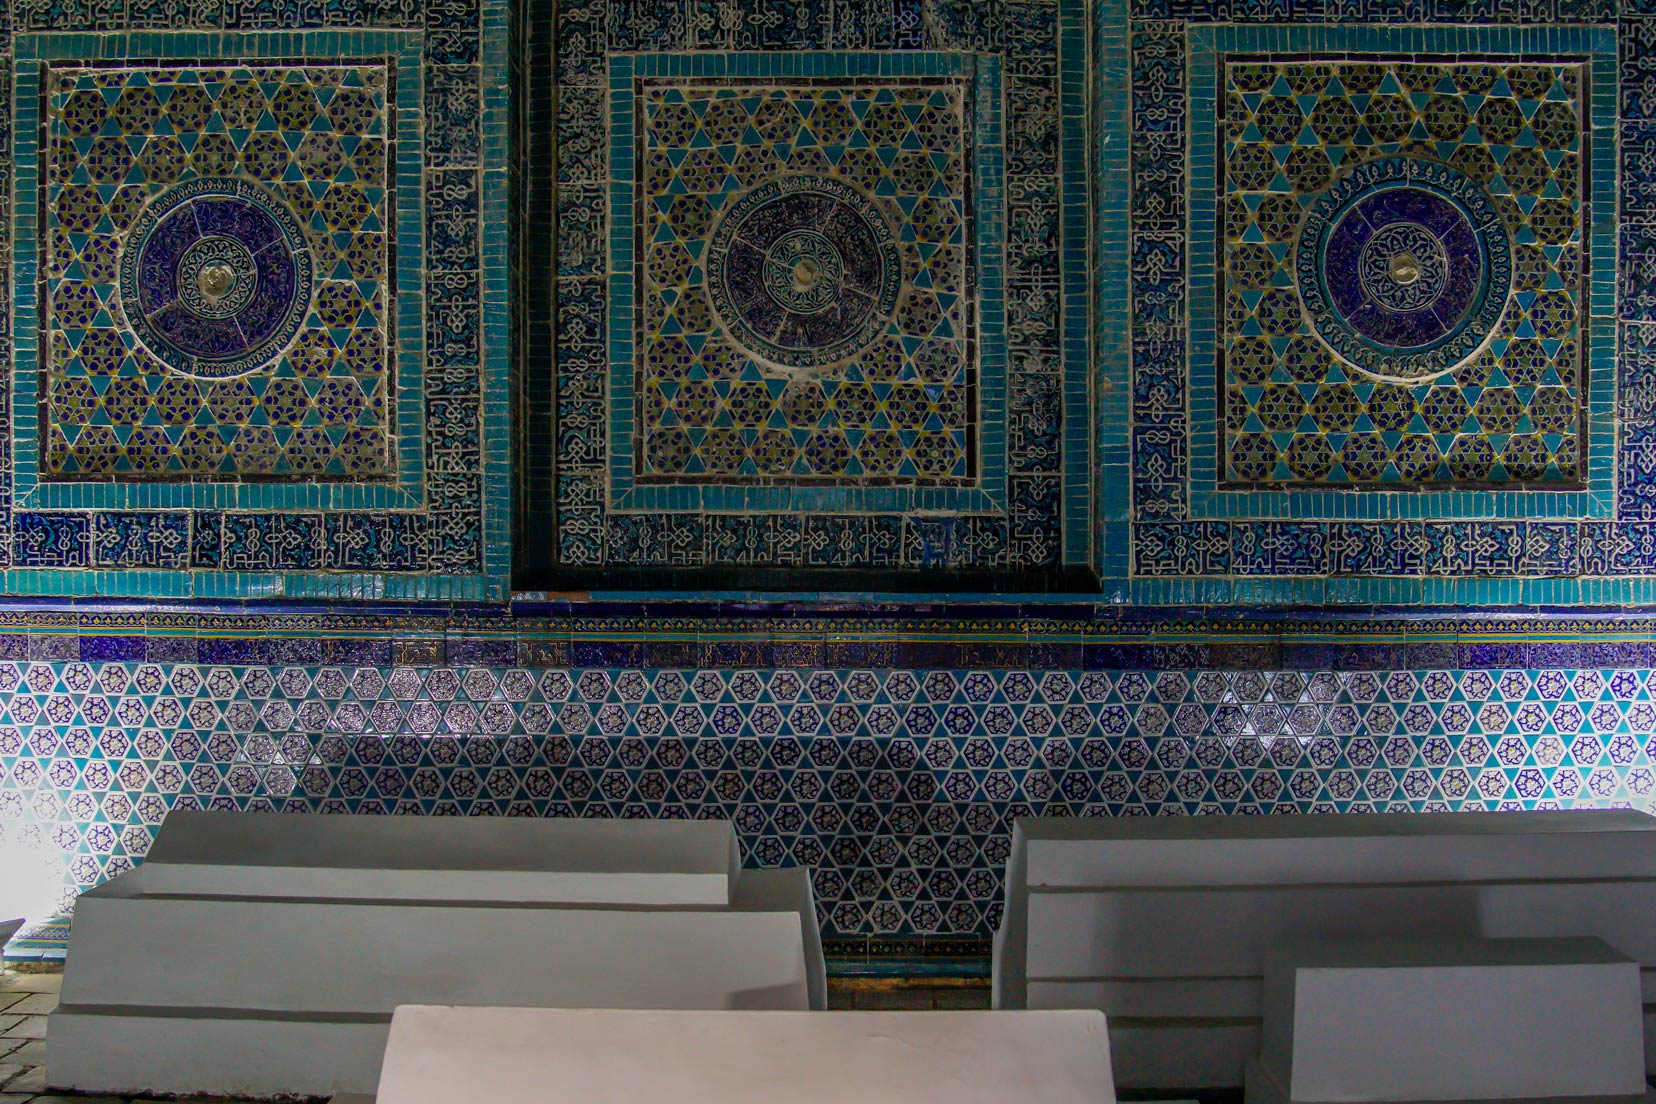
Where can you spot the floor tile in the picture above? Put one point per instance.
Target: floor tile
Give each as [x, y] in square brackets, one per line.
[31, 1053]
[32, 1080]
[28, 1027]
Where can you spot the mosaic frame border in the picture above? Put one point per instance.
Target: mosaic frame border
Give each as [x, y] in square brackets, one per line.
[453, 548]
[987, 160]
[404, 490]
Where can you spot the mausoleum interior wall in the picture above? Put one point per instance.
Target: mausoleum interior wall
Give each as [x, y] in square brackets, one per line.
[867, 420]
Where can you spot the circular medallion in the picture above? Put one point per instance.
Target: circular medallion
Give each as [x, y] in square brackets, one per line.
[1404, 268]
[215, 277]
[802, 271]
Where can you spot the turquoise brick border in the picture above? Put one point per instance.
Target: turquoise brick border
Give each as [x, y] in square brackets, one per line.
[1110, 128]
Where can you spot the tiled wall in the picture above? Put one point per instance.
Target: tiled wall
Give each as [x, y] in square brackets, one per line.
[920, 405]
[896, 783]
[1306, 422]
[803, 288]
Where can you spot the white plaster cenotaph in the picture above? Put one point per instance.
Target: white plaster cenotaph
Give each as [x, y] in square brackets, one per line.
[1356, 1021]
[589, 1056]
[257, 954]
[1162, 923]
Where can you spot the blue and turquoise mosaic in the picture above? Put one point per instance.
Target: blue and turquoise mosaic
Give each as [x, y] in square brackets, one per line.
[896, 786]
[884, 368]
[216, 299]
[1403, 271]
[248, 316]
[806, 311]
[1326, 405]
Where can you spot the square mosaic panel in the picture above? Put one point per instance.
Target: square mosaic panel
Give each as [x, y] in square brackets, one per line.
[820, 296]
[1402, 277]
[216, 276]
[1363, 257]
[804, 280]
[250, 349]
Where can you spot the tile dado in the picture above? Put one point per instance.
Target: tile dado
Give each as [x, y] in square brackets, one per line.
[896, 786]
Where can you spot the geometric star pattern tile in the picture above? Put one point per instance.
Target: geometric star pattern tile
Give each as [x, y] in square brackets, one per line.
[1403, 271]
[216, 258]
[896, 787]
[806, 310]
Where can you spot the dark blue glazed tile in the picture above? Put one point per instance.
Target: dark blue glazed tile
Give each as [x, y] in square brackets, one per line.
[113, 648]
[228, 649]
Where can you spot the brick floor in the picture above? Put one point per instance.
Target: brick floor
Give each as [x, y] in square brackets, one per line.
[25, 999]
